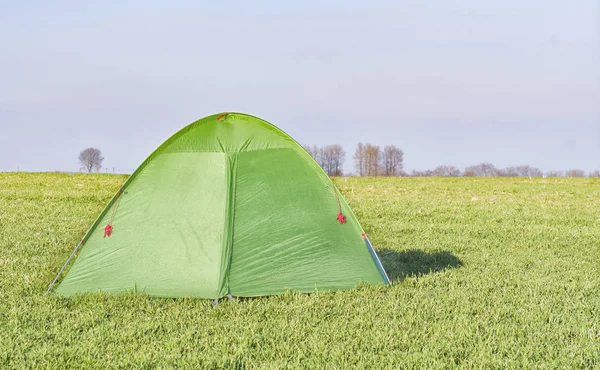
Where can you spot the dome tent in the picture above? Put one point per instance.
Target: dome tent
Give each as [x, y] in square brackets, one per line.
[230, 204]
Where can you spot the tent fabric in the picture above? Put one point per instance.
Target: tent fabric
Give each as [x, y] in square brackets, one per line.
[228, 205]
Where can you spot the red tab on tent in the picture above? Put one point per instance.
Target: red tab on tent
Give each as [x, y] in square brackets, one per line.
[222, 116]
[364, 236]
[108, 231]
[341, 218]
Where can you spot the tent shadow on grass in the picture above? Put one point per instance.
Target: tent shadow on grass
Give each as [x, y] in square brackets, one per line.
[402, 264]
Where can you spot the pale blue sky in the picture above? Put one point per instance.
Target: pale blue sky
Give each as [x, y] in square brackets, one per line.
[450, 82]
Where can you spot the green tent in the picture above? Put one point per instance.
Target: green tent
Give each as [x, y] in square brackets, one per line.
[229, 205]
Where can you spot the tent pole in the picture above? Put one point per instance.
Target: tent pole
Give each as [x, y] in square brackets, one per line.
[64, 266]
[374, 254]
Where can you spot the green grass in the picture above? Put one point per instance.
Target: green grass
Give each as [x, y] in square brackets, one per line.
[488, 273]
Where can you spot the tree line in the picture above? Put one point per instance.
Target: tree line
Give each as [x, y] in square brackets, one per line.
[372, 160]
[369, 160]
[331, 158]
[488, 169]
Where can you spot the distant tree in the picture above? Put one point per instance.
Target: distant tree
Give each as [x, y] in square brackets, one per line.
[318, 153]
[425, 173]
[508, 172]
[330, 158]
[333, 159]
[482, 169]
[327, 159]
[528, 171]
[554, 174]
[372, 160]
[594, 173]
[521, 171]
[323, 159]
[575, 173]
[338, 156]
[314, 152]
[392, 161]
[91, 159]
[309, 150]
[446, 171]
[359, 159]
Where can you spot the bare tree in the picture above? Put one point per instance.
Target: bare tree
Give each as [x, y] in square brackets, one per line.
[318, 153]
[309, 150]
[508, 172]
[520, 171]
[337, 157]
[575, 173]
[594, 173]
[425, 173]
[372, 160]
[330, 158]
[359, 159]
[322, 158]
[528, 171]
[326, 159]
[91, 159]
[482, 169]
[471, 171]
[446, 171]
[554, 174]
[392, 161]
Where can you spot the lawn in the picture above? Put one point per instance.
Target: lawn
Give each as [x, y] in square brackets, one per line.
[487, 272]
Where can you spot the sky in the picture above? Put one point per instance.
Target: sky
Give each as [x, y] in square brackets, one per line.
[449, 82]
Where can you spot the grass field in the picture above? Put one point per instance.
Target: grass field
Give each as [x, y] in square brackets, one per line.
[488, 273]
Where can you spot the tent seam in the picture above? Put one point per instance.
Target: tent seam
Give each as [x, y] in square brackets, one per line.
[232, 219]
